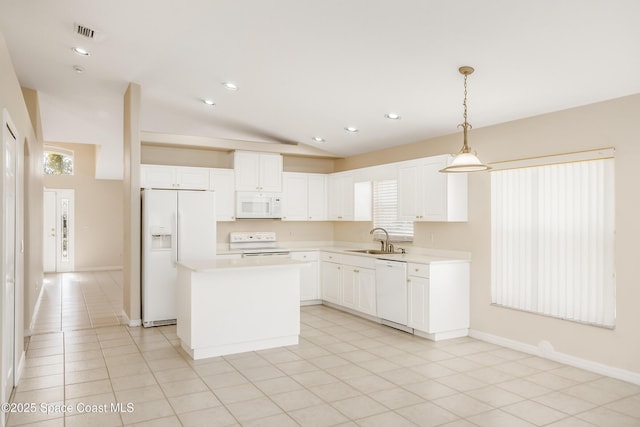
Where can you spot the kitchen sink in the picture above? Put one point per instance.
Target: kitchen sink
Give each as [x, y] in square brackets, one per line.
[373, 251]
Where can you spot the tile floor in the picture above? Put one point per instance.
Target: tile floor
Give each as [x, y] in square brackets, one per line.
[345, 371]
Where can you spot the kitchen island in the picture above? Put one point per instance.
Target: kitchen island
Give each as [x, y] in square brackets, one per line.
[228, 306]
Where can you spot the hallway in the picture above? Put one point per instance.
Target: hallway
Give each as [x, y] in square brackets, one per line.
[80, 300]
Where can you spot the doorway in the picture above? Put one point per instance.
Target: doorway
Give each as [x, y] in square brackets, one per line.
[58, 242]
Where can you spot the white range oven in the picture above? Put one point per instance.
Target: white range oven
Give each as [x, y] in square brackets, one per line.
[256, 243]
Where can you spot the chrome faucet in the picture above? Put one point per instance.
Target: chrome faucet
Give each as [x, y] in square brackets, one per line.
[386, 246]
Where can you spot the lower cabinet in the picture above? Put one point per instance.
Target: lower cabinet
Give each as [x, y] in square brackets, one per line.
[438, 296]
[309, 275]
[348, 285]
[366, 301]
[331, 282]
[437, 293]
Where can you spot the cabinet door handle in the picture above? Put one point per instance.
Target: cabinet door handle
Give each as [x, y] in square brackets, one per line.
[356, 271]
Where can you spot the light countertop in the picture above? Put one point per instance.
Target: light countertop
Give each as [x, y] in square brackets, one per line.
[241, 263]
[417, 255]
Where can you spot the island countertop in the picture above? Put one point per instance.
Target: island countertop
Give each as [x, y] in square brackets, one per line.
[204, 266]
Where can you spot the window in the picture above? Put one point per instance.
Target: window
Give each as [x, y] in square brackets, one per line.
[385, 211]
[57, 161]
[552, 239]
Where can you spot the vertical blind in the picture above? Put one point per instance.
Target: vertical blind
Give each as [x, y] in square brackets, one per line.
[385, 211]
[552, 240]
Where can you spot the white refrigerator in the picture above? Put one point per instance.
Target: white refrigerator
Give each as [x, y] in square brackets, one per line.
[177, 225]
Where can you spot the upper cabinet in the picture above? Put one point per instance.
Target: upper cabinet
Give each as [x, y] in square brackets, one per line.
[349, 197]
[257, 171]
[222, 181]
[174, 177]
[305, 196]
[426, 194]
[341, 197]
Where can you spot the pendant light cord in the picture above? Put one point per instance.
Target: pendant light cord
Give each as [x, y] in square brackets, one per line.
[465, 126]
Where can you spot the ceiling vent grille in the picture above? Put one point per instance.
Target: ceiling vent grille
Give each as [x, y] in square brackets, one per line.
[90, 33]
[85, 31]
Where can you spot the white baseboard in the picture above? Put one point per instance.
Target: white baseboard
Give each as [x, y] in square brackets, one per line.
[105, 268]
[545, 350]
[131, 323]
[29, 331]
[20, 367]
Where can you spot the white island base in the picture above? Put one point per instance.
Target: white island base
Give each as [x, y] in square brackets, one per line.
[233, 306]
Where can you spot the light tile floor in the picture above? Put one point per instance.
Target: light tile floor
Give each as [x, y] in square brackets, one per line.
[345, 371]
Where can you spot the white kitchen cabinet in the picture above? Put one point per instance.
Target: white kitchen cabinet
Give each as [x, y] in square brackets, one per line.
[349, 281]
[340, 197]
[310, 275]
[331, 281]
[305, 196]
[349, 199]
[438, 305]
[359, 289]
[418, 297]
[426, 194]
[366, 301]
[317, 196]
[222, 181]
[174, 177]
[256, 171]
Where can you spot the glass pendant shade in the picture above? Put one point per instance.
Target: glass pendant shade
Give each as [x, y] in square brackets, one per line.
[466, 162]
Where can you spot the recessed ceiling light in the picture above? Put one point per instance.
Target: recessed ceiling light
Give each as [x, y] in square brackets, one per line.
[80, 51]
[78, 69]
[318, 139]
[351, 129]
[209, 102]
[230, 86]
[392, 116]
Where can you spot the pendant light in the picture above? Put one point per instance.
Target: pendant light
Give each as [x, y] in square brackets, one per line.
[465, 160]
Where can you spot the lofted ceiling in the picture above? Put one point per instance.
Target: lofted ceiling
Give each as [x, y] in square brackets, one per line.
[311, 68]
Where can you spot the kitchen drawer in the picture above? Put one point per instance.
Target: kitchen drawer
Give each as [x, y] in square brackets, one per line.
[331, 257]
[418, 270]
[305, 255]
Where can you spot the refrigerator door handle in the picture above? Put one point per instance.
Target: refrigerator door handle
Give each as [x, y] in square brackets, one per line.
[174, 237]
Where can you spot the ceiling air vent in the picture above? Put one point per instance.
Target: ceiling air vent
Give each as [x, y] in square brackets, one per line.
[84, 31]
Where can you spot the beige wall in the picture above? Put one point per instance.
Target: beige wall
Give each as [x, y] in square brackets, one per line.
[193, 156]
[30, 264]
[98, 210]
[286, 231]
[607, 124]
[33, 210]
[183, 156]
[131, 205]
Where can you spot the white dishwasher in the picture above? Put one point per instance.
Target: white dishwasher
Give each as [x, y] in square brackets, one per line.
[391, 292]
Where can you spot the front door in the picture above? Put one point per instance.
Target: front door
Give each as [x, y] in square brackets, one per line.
[58, 240]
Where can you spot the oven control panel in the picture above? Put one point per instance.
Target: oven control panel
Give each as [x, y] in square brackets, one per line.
[252, 236]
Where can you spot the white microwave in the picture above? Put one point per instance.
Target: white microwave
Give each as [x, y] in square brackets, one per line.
[250, 204]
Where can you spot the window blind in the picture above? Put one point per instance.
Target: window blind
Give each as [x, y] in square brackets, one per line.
[385, 211]
[553, 240]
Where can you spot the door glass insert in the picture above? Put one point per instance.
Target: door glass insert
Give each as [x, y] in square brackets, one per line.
[64, 215]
